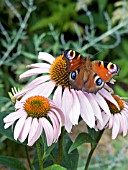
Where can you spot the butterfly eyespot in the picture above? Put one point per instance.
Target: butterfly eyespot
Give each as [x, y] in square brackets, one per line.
[73, 75]
[113, 68]
[69, 54]
[98, 81]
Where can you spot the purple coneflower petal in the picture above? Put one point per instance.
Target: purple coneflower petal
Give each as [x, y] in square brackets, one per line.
[102, 103]
[12, 117]
[116, 126]
[26, 129]
[75, 109]
[95, 107]
[37, 134]
[34, 72]
[86, 110]
[48, 130]
[109, 97]
[46, 57]
[39, 65]
[33, 129]
[57, 97]
[18, 127]
[66, 106]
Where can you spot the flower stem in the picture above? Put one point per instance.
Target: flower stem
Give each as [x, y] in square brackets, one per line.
[60, 147]
[93, 149]
[39, 154]
[28, 158]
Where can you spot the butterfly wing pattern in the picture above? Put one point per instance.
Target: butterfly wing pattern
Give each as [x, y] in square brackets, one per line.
[86, 75]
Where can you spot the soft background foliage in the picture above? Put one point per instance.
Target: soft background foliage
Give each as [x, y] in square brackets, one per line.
[95, 28]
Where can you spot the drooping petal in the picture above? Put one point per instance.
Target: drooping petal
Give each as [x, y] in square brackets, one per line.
[32, 85]
[37, 134]
[109, 97]
[39, 65]
[18, 127]
[12, 117]
[46, 57]
[48, 130]
[110, 125]
[75, 109]
[57, 97]
[33, 129]
[102, 103]
[125, 123]
[55, 124]
[116, 126]
[66, 106]
[25, 130]
[95, 107]
[34, 72]
[86, 110]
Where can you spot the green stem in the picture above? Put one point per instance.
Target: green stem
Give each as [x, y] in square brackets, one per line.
[92, 150]
[60, 147]
[28, 158]
[39, 154]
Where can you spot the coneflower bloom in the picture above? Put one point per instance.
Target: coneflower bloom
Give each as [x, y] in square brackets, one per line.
[33, 116]
[74, 103]
[118, 121]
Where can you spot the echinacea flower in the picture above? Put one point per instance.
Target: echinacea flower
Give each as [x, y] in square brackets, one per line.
[74, 103]
[33, 116]
[118, 121]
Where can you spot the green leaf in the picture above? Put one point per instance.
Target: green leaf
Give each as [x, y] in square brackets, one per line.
[102, 5]
[55, 167]
[12, 163]
[81, 138]
[29, 55]
[94, 134]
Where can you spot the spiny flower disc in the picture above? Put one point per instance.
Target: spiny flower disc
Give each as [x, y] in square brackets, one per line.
[59, 72]
[37, 106]
[113, 108]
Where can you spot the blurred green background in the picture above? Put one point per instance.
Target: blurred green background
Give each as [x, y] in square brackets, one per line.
[98, 28]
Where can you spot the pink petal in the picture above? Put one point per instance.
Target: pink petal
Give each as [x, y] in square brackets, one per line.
[32, 85]
[57, 97]
[37, 134]
[95, 107]
[7, 125]
[25, 130]
[75, 109]
[46, 57]
[39, 65]
[48, 130]
[116, 126]
[101, 101]
[67, 102]
[34, 72]
[12, 117]
[56, 125]
[18, 127]
[33, 129]
[111, 120]
[86, 110]
[48, 88]
[125, 124]
[109, 97]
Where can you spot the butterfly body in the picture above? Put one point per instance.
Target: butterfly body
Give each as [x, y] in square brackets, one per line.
[86, 75]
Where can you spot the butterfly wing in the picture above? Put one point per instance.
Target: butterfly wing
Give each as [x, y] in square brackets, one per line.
[105, 70]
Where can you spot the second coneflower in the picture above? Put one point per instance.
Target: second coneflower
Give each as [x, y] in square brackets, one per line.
[118, 121]
[34, 115]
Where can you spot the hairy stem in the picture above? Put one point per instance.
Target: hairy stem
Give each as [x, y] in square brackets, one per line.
[28, 158]
[39, 154]
[93, 149]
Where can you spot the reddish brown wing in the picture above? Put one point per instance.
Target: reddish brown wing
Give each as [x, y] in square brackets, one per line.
[105, 70]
